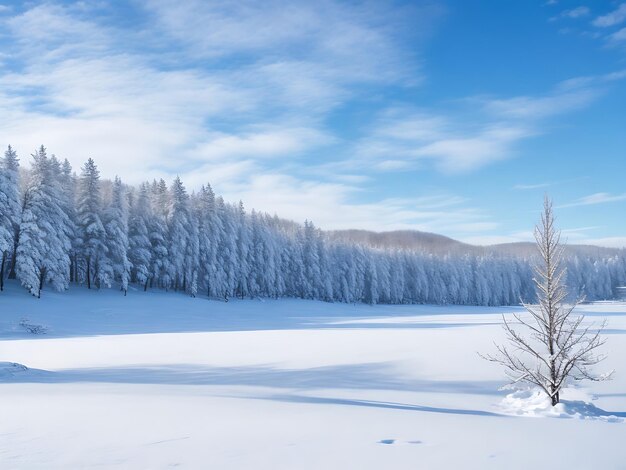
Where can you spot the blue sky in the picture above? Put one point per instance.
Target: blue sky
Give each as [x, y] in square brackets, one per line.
[446, 116]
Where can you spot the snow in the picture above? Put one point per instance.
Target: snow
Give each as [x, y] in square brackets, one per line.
[574, 404]
[159, 380]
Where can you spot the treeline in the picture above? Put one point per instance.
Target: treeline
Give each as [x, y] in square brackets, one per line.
[59, 229]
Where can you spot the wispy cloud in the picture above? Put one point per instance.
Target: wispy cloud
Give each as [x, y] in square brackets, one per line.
[613, 18]
[79, 83]
[333, 206]
[573, 13]
[618, 36]
[241, 94]
[405, 137]
[217, 104]
[524, 187]
[596, 198]
[548, 183]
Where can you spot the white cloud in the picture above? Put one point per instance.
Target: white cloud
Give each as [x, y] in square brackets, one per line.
[573, 13]
[256, 102]
[577, 12]
[531, 186]
[596, 198]
[539, 107]
[192, 91]
[463, 154]
[617, 16]
[333, 206]
[618, 36]
[404, 138]
[83, 91]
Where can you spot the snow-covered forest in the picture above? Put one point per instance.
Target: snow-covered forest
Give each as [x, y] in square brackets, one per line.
[59, 228]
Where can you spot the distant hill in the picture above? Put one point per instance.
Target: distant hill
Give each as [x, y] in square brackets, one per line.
[427, 242]
[402, 239]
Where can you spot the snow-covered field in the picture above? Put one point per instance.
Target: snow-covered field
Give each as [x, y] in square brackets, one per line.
[156, 380]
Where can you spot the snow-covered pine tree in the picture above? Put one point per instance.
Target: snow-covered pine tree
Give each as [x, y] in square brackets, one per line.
[43, 250]
[158, 230]
[179, 225]
[68, 190]
[93, 249]
[10, 211]
[140, 248]
[210, 232]
[230, 253]
[226, 272]
[311, 261]
[116, 220]
[243, 251]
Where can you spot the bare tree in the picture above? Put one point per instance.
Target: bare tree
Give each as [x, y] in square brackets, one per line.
[552, 345]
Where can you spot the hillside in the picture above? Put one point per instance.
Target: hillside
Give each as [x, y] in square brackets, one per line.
[440, 244]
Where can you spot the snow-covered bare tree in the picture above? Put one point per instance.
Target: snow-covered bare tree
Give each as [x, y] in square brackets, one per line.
[551, 345]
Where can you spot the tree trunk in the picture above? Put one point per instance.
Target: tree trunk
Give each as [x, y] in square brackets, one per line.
[71, 268]
[555, 399]
[4, 256]
[42, 273]
[88, 273]
[12, 274]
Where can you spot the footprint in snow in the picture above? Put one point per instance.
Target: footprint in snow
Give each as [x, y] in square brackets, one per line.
[395, 441]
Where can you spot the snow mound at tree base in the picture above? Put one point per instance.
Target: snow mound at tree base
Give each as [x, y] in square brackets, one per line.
[535, 403]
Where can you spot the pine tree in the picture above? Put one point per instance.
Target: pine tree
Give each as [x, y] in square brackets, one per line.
[93, 249]
[210, 232]
[226, 272]
[43, 250]
[68, 190]
[10, 210]
[243, 251]
[117, 235]
[158, 229]
[179, 225]
[140, 248]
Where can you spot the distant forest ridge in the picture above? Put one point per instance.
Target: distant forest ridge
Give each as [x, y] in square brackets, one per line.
[440, 244]
[60, 229]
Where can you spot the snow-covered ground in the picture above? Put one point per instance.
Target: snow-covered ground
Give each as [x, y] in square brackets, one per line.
[157, 380]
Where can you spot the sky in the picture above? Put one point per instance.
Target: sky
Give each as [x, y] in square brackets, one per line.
[454, 117]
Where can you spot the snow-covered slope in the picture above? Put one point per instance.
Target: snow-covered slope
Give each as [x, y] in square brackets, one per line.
[156, 380]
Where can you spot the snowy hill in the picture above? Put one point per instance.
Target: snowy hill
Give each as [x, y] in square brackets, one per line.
[403, 239]
[440, 244]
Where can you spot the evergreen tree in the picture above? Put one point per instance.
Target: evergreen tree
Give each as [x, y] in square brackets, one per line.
[10, 210]
[139, 246]
[179, 226]
[93, 247]
[43, 250]
[117, 235]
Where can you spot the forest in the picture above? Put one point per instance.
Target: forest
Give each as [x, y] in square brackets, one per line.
[60, 229]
